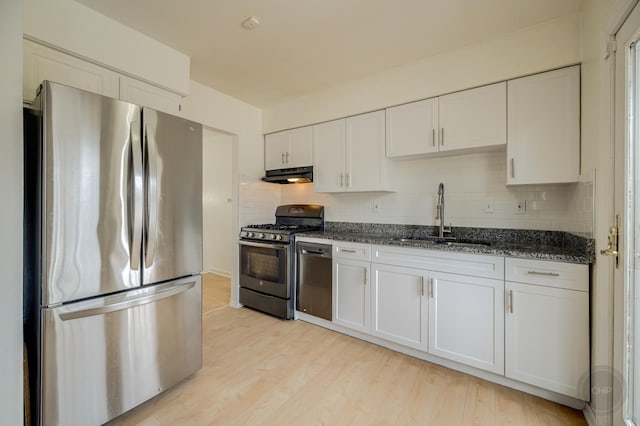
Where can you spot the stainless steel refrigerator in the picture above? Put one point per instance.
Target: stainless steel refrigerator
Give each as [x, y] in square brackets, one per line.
[113, 254]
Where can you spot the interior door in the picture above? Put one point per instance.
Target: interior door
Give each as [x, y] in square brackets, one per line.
[172, 246]
[92, 155]
[626, 374]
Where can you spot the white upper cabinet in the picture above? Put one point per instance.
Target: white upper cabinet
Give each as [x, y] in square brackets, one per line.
[140, 93]
[470, 119]
[412, 129]
[475, 118]
[42, 63]
[288, 149]
[544, 127]
[329, 156]
[349, 154]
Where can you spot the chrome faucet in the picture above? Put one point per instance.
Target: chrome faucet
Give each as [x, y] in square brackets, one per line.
[442, 230]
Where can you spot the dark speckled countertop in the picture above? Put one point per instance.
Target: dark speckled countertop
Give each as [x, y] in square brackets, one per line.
[542, 245]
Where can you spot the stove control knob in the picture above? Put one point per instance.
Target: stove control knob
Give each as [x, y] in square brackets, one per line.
[250, 234]
[279, 237]
[272, 236]
[243, 234]
[260, 235]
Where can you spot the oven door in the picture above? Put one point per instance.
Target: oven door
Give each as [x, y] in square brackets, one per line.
[265, 267]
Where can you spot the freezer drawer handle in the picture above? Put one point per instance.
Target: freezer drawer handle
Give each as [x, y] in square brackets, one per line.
[118, 306]
[544, 274]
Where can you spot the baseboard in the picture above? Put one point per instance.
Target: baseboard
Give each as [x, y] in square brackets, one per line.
[589, 415]
[226, 274]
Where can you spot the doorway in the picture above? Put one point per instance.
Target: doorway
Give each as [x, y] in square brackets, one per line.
[625, 233]
[217, 216]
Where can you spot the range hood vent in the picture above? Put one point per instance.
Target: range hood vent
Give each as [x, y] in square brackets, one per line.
[294, 175]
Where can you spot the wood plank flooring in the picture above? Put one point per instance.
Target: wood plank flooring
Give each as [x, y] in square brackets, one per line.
[258, 370]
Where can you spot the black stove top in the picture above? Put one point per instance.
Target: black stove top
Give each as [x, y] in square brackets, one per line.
[290, 219]
[288, 228]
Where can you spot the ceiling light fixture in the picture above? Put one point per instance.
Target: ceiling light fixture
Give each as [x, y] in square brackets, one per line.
[250, 23]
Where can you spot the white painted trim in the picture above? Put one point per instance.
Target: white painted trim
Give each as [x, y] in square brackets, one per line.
[619, 15]
[589, 416]
[491, 377]
[226, 274]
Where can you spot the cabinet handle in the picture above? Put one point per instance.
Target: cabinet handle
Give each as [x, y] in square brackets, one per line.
[347, 251]
[365, 276]
[287, 158]
[422, 286]
[347, 180]
[341, 180]
[513, 168]
[282, 160]
[510, 301]
[433, 137]
[545, 274]
[432, 282]
[442, 136]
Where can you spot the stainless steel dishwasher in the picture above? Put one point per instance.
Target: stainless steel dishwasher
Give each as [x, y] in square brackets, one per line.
[313, 283]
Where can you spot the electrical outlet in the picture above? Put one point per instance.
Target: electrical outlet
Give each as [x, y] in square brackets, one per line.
[376, 206]
[520, 206]
[488, 206]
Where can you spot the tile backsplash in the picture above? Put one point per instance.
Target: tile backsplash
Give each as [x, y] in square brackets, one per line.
[476, 195]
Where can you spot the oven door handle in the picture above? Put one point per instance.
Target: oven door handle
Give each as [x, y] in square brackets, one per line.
[263, 245]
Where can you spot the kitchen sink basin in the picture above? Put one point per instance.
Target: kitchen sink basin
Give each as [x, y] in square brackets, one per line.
[446, 241]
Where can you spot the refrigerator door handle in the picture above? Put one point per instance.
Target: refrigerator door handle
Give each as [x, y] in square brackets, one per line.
[127, 303]
[152, 196]
[135, 213]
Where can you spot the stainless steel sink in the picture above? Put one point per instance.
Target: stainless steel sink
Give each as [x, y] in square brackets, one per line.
[465, 244]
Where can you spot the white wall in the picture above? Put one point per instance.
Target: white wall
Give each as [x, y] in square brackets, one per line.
[538, 48]
[217, 197]
[11, 212]
[86, 33]
[470, 181]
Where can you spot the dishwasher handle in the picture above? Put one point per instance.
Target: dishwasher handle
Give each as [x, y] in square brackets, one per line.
[312, 249]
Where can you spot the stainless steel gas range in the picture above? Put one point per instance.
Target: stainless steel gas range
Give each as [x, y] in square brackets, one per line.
[267, 258]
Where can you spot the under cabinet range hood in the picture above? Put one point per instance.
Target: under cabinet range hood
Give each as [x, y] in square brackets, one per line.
[293, 175]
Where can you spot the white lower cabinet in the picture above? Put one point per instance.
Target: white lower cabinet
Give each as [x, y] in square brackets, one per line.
[351, 294]
[547, 328]
[399, 305]
[525, 319]
[466, 320]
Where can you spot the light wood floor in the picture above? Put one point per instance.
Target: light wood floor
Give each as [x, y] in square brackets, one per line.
[258, 370]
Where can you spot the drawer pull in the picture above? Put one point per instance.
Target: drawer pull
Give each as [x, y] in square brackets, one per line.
[347, 251]
[545, 274]
[510, 301]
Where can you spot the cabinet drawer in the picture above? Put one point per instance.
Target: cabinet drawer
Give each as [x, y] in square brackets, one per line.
[551, 274]
[457, 263]
[353, 251]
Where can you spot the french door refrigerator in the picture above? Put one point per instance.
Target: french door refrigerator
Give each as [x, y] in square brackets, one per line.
[113, 254]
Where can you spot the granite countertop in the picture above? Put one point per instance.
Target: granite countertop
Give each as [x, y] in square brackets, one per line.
[541, 245]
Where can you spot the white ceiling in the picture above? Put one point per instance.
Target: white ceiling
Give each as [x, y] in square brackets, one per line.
[306, 45]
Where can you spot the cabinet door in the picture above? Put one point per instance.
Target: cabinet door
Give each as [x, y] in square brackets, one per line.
[398, 305]
[299, 152]
[474, 118]
[328, 153]
[274, 150]
[466, 320]
[412, 129]
[351, 294]
[365, 154]
[547, 337]
[144, 94]
[544, 127]
[42, 63]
